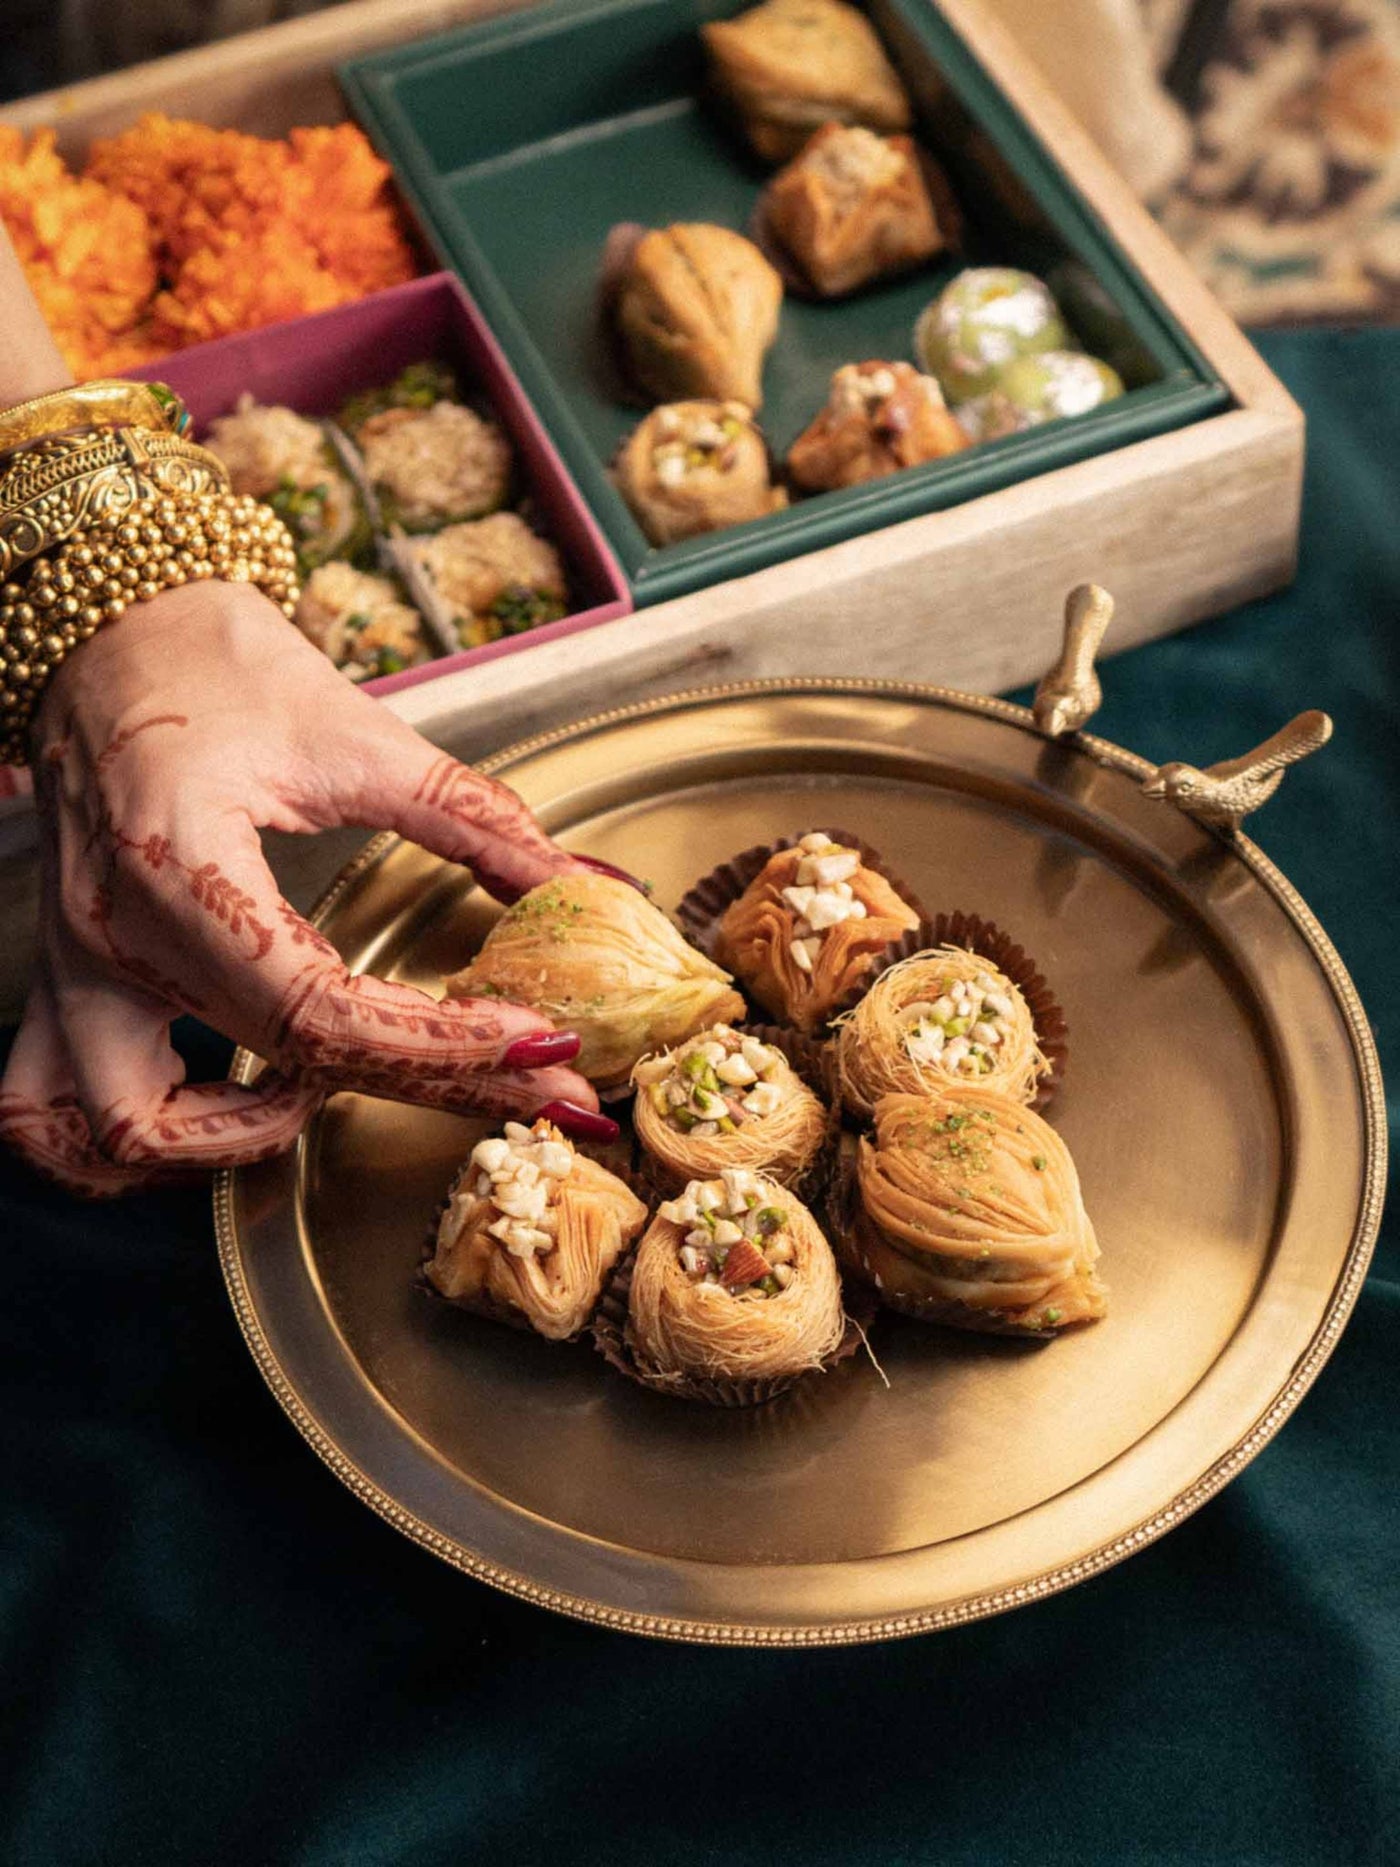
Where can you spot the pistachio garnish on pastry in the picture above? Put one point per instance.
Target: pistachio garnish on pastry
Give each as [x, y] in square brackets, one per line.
[879, 419]
[940, 1017]
[694, 467]
[724, 1098]
[695, 309]
[596, 957]
[807, 928]
[531, 1230]
[733, 1280]
[968, 1211]
[850, 207]
[788, 66]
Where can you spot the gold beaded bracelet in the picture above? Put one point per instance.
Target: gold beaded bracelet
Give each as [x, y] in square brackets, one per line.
[52, 488]
[126, 557]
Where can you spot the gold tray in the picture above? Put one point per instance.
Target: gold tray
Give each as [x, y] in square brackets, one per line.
[1223, 1103]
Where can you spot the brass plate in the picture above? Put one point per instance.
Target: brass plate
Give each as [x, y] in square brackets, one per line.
[1223, 1103]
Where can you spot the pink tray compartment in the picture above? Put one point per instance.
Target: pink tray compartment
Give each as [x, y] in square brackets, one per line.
[312, 364]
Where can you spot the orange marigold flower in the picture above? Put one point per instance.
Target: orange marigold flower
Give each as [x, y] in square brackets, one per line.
[87, 252]
[177, 232]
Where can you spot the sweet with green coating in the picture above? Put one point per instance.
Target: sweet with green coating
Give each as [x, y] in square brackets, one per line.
[987, 318]
[1049, 387]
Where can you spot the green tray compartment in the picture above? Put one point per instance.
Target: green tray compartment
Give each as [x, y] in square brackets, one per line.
[522, 140]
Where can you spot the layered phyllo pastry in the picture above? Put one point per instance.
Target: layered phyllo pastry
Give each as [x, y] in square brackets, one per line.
[725, 1099]
[361, 621]
[851, 207]
[1041, 388]
[695, 467]
[806, 930]
[788, 66]
[492, 577]
[594, 955]
[935, 1019]
[285, 460]
[967, 1211]
[733, 1281]
[982, 322]
[879, 419]
[695, 309]
[531, 1230]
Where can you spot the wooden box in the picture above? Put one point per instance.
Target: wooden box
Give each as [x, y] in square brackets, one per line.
[1179, 526]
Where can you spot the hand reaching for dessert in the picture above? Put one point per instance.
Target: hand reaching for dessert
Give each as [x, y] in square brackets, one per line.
[162, 747]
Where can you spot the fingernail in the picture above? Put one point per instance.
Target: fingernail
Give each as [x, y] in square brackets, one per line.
[533, 1053]
[580, 1124]
[599, 867]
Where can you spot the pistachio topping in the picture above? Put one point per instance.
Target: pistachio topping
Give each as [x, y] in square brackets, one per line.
[962, 1028]
[732, 1238]
[689, 439]
[715, 1083]
[521, 1172]
[820, 895]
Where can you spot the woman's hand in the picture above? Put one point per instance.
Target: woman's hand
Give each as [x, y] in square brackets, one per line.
[162, 747]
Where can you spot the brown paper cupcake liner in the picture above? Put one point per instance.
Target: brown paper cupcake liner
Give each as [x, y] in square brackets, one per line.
[487, 1305]
[703, 905]
[611, 1339]
[946, 213]
[989, 941]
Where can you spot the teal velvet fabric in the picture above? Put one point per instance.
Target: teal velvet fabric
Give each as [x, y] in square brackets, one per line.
[212, 1653]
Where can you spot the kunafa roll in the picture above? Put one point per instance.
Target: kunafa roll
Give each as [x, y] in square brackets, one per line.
[695, 467]
[967, 1211]
[727, 1099]
[531, 1230]
[594, 955]
[807, 928]
[733, 1280]
[941, 1017]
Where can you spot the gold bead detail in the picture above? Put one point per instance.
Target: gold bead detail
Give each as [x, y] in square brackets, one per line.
[127, 556]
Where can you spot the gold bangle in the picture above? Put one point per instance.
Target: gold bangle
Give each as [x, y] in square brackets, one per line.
[102, 404]
[127, 557]
[55, 486]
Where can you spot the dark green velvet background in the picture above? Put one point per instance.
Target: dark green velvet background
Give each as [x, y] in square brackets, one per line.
[212, 1653]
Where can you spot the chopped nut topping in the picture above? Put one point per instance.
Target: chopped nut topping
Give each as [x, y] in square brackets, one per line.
[821, 897]
[714, 1084]
[691, 439]
[521, 1173]
[961, 1029]
[732, 1240]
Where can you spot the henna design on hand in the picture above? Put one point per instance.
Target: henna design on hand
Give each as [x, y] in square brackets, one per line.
[151, 782]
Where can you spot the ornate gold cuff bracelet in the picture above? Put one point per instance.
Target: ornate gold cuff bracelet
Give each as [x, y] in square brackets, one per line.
[103, 404]
[126, 556]
[52, 487]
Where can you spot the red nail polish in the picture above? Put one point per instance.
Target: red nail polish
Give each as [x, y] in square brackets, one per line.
[535, 1053]
[600, 867]
[579, 1124]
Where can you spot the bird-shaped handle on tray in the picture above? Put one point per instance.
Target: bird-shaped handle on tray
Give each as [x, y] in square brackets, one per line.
[1224, 794]
[1070, 694]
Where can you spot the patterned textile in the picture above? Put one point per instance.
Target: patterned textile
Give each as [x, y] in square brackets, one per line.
[1290, 205]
